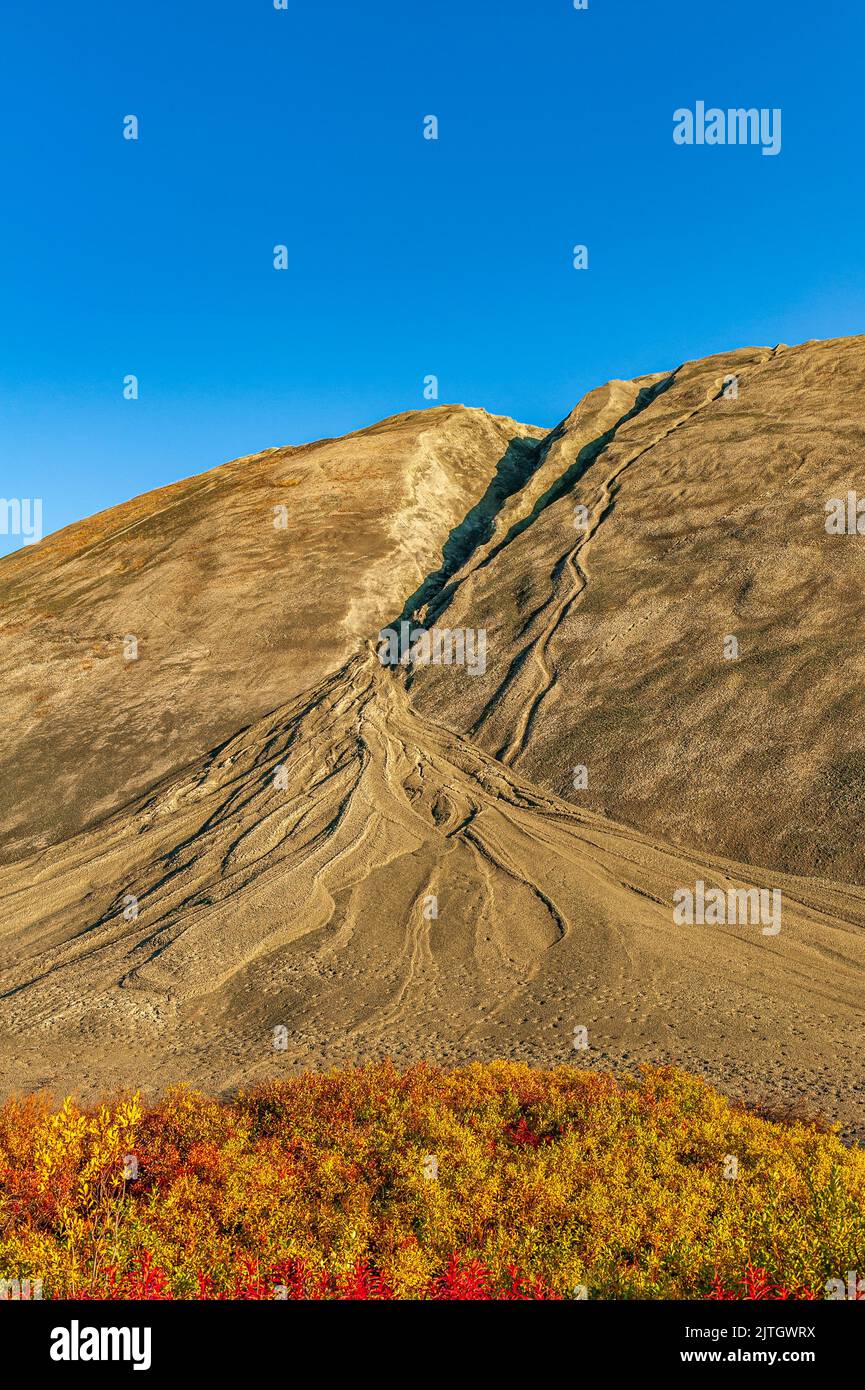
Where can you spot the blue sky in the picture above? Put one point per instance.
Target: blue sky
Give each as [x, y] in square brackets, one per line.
[407, 256]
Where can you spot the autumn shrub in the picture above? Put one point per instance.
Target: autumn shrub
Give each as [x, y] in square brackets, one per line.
[488, 1181]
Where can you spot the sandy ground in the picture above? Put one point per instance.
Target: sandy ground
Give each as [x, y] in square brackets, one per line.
[287, 883]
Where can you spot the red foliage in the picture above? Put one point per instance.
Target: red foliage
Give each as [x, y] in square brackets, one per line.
[293, 1280]
[146, 1281]
[755, 1285]
[520, 1132]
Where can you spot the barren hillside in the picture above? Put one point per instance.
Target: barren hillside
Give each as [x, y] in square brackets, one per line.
[256, 848]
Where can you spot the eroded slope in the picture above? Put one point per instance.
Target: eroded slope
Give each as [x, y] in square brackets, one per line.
[234, 605]
[607, 642]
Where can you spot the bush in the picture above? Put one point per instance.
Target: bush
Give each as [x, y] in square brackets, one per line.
[489, 1181]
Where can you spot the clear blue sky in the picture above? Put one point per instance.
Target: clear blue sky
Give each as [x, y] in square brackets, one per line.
[406, 256]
